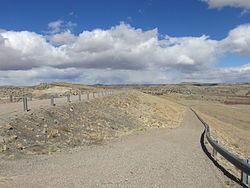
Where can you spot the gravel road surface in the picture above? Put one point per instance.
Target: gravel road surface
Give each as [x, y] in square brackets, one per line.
[154, 158]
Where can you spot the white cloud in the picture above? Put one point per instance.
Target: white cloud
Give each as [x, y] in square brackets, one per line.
[38, 75]
[121, 54]
[238, 40]
[26, 50]
[245, 4]
[62, 38]
[55, 26]
[60, 26]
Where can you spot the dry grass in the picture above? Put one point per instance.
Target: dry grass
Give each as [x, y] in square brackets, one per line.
[230, 124]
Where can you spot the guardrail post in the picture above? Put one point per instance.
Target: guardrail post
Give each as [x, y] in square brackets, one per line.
[87, 96]
[93, 95]
[52, 101]
[68, 98]
[208, 130]
[11, 98]
[80, 96]
[25, 104]
[214, 151]
[244, 177]
[31, 98]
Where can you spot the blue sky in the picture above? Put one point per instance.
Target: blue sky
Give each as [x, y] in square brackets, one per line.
[178, 19]
[171, 17]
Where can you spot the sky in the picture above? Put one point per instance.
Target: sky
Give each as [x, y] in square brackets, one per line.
[124, 42]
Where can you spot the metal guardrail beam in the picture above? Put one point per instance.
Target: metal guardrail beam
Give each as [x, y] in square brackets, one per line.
[241, 164]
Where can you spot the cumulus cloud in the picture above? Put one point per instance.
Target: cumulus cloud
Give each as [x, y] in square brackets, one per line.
[121, 54]
[238, 40]
[245, 4]
[26, 50]
[62, 38]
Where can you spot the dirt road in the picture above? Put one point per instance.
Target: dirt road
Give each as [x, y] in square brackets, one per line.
[155, 158]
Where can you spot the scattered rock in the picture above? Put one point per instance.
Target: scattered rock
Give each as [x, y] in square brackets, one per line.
[53, 133]
[11, 138]
[8, 127]
[4, 147]
[19, 146]
[45, 131]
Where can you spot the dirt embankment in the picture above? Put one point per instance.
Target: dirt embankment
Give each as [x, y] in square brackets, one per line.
[45, 131]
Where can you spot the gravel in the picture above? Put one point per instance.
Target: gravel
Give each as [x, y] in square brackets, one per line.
[155, 158]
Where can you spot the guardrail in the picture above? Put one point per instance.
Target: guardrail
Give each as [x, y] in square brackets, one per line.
[242, 164]
[68, 98]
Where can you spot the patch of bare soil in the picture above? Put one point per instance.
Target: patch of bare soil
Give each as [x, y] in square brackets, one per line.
[45, 131]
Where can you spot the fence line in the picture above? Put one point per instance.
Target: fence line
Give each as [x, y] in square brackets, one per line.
[68, 98]
[241, 164]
